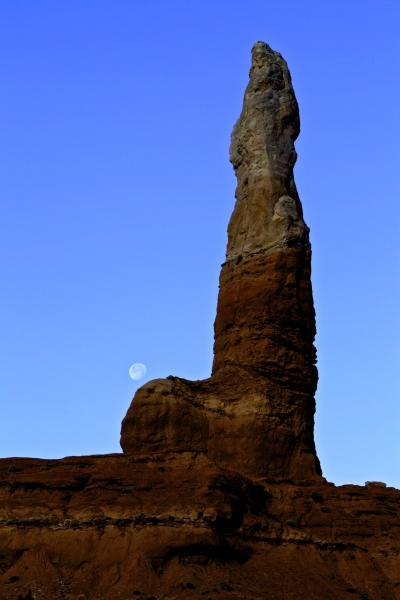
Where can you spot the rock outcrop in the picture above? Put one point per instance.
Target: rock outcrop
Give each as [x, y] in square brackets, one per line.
[256, 413]
[119, 527]
[218, 493]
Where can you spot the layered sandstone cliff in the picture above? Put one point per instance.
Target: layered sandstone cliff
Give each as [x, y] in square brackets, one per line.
[218, 492]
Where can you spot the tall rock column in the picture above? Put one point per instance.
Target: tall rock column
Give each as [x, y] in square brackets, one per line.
[265, 320]
[255, 415]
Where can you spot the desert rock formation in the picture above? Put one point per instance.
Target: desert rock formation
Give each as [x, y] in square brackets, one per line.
[256, 413]
[218, 493]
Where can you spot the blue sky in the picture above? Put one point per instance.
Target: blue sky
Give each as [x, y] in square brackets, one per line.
[116, 192]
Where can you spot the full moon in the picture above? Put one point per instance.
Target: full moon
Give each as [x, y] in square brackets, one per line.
[137, 371]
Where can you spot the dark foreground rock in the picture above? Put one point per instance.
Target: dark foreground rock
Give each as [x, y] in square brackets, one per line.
[218, 493]
[119, 527]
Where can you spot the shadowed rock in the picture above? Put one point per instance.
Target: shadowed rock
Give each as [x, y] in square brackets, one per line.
[256, 412]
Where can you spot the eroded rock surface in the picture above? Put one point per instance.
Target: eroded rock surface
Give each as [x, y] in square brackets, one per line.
[268, 213]
[256, 412]
[118, 527]
[218, 493]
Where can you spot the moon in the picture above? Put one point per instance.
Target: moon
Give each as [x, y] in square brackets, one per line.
[137, 371]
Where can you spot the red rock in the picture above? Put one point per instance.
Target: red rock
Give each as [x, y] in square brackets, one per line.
[101, 527]
[218, 493]
[256, 413]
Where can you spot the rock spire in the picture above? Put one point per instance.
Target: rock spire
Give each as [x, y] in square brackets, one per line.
[255, 414]
[217, 493]
[268, 213]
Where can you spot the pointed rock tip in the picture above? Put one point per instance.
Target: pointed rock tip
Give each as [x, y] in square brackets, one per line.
[261, 47]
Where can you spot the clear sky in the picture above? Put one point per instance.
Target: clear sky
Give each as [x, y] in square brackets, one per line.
[116, 192]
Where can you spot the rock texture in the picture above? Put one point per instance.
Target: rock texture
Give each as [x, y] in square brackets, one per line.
[256, 413]
[180, 528]
[218, 493]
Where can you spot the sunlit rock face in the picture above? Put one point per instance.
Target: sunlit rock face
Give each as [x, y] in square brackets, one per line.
[256, 413]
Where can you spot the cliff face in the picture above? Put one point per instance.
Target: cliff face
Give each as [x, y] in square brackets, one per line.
[178, 527]
[218, 492]
[256, 413]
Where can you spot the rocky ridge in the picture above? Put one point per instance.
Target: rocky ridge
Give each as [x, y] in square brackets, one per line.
[218, 492]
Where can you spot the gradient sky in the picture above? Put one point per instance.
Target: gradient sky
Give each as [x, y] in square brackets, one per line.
[116, 192]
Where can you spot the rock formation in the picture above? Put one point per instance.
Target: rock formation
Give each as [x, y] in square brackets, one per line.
[218, 493]
[256, 413]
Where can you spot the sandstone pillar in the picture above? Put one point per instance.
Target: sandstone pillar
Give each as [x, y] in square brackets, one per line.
[256, 412]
